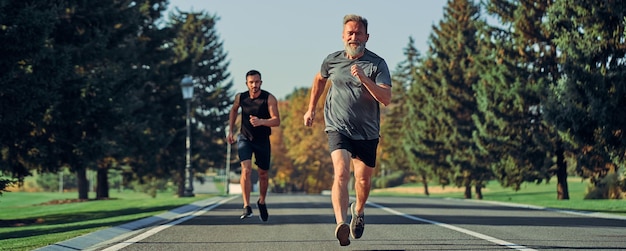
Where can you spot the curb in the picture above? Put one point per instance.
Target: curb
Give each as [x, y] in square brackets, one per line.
[92, 239]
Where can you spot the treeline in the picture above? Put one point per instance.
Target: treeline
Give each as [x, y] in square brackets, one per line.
[508, 91]
[95, 85]
[521, 100]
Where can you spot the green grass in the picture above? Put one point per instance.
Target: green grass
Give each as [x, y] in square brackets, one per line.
[543, 195]
[26, 223]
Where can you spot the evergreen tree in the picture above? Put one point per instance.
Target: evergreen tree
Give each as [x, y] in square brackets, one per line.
[534, 53]
[511, 70]
[589, 100]
[78, 126]
[443, 102]
[31, 76]
[512, 139]
[188, 45]
[199, 46]
[393, 158]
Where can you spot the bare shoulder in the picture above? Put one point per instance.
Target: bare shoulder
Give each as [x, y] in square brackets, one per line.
[271, 97]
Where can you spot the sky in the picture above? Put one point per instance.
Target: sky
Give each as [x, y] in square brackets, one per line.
[286, 40]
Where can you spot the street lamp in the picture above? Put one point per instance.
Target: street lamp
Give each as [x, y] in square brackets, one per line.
[227, 169]
[186, 84]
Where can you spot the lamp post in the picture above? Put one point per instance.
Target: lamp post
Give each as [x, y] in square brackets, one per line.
[227, 169]
[186, 85]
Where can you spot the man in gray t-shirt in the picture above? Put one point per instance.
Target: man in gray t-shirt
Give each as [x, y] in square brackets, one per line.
[360, 80]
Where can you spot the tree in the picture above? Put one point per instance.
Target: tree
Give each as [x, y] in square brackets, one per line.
[444, 102]
[199, 47]
[393, 157]
[588, 101]
[530, 49]
[282, 166]
[77, 125]
[187, 45]
[308, 146]
[31, 76]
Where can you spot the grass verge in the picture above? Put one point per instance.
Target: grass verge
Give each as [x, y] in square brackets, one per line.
[543, 195]
[32, 220]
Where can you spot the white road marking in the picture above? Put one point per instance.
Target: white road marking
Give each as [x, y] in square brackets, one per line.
[160, 228]
[455, 228]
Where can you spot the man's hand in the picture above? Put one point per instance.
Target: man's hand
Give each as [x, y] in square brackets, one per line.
[309, 116]
[356, 71]
[230, 138]
[256, 121]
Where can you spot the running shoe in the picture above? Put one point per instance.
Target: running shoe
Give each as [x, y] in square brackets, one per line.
[357, 223]
[342, 232]
[247, 212]
[262, 211]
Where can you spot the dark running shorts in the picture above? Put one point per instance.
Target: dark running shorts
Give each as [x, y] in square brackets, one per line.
[260, 149]
[365, 150]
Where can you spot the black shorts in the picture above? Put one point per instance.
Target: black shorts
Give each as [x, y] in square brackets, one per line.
[365, 150]
[260, 148]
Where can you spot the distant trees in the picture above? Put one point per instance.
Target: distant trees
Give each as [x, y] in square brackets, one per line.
[517, 101]
[97, 87]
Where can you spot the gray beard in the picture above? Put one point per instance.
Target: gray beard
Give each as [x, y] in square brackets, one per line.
[354, 52]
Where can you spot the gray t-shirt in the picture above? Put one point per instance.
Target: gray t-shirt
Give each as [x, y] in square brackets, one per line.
[349, 108]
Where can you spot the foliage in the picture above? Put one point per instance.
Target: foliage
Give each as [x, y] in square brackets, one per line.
[49, 182]
[443, 101]
[588, 101]
[32, 70]
[395, 178]
[308, 148]
[517, 142]
[392, 155]
[105, 77]
[282, 169]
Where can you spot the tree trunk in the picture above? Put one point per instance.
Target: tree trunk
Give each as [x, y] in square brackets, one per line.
[102, 186]
[468, 192]
[82, 183]
[562, 192]
[479, 192]
[425, 182]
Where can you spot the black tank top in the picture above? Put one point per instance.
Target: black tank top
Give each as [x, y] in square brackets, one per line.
[256, 107]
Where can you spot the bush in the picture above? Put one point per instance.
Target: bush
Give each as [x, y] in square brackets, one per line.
[51, 182]
[396, 178]
[609, 187]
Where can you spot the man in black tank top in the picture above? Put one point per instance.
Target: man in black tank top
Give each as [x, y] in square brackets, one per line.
[259, 112]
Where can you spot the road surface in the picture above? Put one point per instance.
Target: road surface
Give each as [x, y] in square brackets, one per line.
[306, 222]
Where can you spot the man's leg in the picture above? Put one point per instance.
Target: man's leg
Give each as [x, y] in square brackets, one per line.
[263, 180]
[362, 186]
[339, 194]
[245, 181]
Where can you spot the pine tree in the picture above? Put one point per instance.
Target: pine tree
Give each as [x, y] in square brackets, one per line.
[393, 158]
[196, 50]
[442, 102]
[533, 52]
[513, 76]
[589, 100]
[30, 79]
[511, 138]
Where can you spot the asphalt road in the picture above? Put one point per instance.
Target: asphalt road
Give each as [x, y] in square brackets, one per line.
[306, 222]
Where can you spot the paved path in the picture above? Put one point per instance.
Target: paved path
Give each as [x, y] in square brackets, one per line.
[305, 222]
